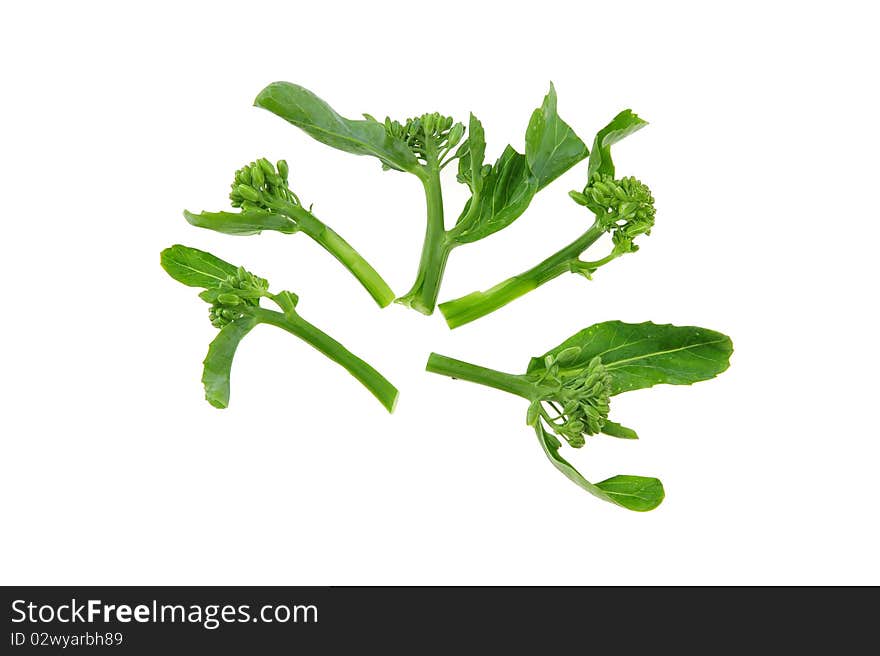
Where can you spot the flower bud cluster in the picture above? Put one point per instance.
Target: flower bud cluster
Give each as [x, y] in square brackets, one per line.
[232, 296]
[426, 132]
[625, 207]
[258, 184]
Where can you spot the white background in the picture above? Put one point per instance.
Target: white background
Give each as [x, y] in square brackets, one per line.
[762, 153]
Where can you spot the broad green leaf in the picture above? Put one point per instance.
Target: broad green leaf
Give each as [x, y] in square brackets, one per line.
[306, 111]
[248, 222]
[195, 268]
[218, 362]
[552, 147]
[614, 429]
[637, 493]
[622, 125]
[471, 155]
[507, 191]
[639, 355]
[502, 194]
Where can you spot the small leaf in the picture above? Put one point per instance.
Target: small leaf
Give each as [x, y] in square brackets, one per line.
[639, 355]
[471, 156]
[552, 147]
[622, 125]
[247, 222]
[631, 492]
[639, 493]
[316, 118]
[218, 361]
[533, 413]
[614, 429]
[286, 301]
[195, 268]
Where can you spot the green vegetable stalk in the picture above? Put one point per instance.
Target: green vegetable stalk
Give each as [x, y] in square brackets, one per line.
[569, 389]
[266, 202]
[424, 146]
[234, 296]
[622, 207]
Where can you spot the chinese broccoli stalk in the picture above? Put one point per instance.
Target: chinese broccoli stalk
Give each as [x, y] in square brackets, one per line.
[234, 296]
[623, 207]
[266, 202]
[569, 389]
[424, 146]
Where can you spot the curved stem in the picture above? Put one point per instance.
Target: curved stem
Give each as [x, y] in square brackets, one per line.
[368, 377]
[435, 250]
[478, 304]
[330, 240]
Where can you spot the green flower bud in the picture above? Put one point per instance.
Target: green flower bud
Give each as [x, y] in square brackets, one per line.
[248, 193]
[257, 176]
[568, 355]
[283, 169]
[266, 165]
[455, 135]
[228, 299]
[579, 198]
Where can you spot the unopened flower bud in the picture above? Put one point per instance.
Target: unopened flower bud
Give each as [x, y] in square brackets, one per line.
[248, 193]
[257, 176]
[266, 165]
[283, 169]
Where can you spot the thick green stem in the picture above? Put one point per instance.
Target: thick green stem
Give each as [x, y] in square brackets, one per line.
[514, 384]
[342, 251]
[478, 304]
[435, 250]
[369, 377]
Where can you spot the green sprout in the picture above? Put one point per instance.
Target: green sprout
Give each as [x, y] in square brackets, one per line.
[569, 389]
[234, 296]
[623, 208]
[261, 191]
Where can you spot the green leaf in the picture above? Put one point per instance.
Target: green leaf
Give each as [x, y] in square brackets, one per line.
[552, 147]
[247, 222]
[471, 155]
[218, 362]
[637, 493]
[622, 125]
[614, 429]
[639, 355]
[501, 195]
[195, 268]
[306, 111]
[507, 190]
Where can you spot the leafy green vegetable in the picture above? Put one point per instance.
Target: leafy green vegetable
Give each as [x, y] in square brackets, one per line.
[266, 202]
[623, 208]
[569, 389]
[424, 146]
[234, 296]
